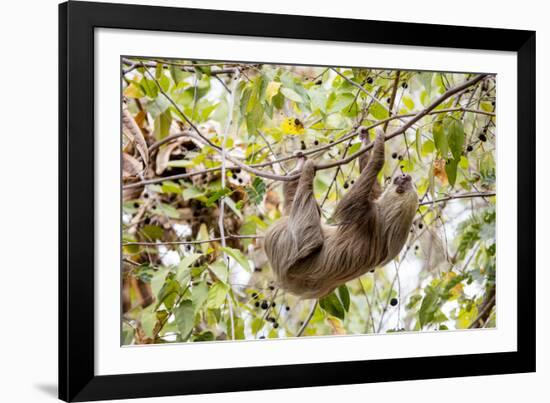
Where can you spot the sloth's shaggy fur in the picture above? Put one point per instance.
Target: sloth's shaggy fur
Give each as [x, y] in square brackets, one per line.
[310, 259]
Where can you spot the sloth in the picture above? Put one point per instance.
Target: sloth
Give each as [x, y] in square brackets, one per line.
[310, 259]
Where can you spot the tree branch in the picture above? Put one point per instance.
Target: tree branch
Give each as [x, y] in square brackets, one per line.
[458, 196]
[193, 242]
[252, 168]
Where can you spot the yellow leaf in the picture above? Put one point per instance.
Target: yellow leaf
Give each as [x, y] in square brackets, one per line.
[439, 171]
[292, 126]
[336, 325]
[133, 91]
[457, 290]
[272, 90]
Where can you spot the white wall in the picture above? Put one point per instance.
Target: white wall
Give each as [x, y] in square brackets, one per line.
[28, 145]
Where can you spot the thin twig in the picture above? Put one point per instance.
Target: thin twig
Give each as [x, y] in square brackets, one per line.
[228, 236]
[308, 319]
[458, 196]
[349, 136]
[484, 312]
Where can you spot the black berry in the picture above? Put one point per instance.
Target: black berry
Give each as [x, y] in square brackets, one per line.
[136, 205]
[273, 304]
[394, 155]
[238, 170]
[303, 146]
[388, 100]
[256, 304]
[393, 302]
[271, 287]
[275, 325]
[416, 247]
[254, 295]
[404, 85]
[483, 137]
[287, 308]
[400, 158]
[262, 337]
[369, 80]
[346, 185]
[265, 305]
[316, 142]
[469, 148]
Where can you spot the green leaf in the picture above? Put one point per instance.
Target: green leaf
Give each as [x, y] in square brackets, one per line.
[409, 103]
[162, 124]
[238, 256]
[378, 111]
[257, 324]
[219, 268]
[332, 305]
[185, 318]
[192, 193]
[455, 138]
[291, 94]
[428, 147]
[439, 139]
[148, 320]
[336, 103]
[183, 272]
[169, 187]
[463, 163]
[168, 293]
[418, 143]
[127, 334]
[150, 87]
[254, 118]
[450, 169]
[218, 194]
[257, 191]
[426, 80]
[167, 210]
[152, 232]
[217, 295]
[158, 280]
[343, 293]
[429, 306]
[204, 336]
[272, 90]
[199, 294]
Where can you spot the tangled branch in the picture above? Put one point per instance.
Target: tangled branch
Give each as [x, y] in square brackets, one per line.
[197, 135]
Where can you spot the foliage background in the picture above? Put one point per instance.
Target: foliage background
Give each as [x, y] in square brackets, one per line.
[193, 268]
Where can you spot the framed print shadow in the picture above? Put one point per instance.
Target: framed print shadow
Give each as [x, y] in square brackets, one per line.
[259, 201]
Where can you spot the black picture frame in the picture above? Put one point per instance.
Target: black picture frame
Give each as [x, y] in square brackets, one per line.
[77, 21]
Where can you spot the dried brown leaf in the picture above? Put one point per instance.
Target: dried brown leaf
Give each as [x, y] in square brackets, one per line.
[132, 131]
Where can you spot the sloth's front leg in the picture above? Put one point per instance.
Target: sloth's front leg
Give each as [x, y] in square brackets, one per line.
[304, 222]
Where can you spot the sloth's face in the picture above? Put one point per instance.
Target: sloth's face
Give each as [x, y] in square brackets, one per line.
[402, 183]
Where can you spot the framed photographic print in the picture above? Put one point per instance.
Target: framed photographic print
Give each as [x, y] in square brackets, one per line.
[258, 201]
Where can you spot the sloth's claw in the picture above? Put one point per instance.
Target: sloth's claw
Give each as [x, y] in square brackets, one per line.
[301, 160]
